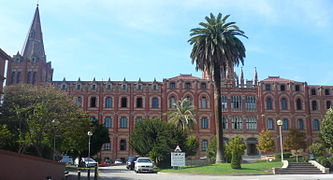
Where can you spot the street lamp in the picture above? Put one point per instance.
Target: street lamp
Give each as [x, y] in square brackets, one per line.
[55, 124]
[280, 123]
[89, 134]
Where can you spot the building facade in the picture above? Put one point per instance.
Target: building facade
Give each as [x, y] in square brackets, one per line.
[247, 107]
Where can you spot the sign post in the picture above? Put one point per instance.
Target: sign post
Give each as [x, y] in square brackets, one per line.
[177, 158]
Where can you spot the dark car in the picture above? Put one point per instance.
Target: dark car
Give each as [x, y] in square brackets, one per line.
[130, 162]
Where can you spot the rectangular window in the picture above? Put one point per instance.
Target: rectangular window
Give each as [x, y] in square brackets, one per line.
[29, 78]
[123, 122]
[225, 122]
[285, 124]
[188, 86]
[224, 103]
[79, 101]
[316, 125]
[251, 122]
[250, 103]
[267, 87]
[203, 86]
[18, 79]
[107, 147]
[107, 122]
[236, 122]
[13, 78]
[236, 102]
[173, 85]
[138, 118]
[108, 102]
[204, 123]
[204, 145]
[93, 102]
[122, 145]
[282, 87]
[270, 124]
[297, 88]
[300, 124]
[93, 118]
[34, 77]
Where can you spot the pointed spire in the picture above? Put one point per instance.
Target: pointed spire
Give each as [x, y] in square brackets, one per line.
[64, 79]
[242, 78]
[109, 79]
[139, 79]
[33, 45]
[255, 76]
[94, 79]
[154, 79]
[79, 79]
[124, 79]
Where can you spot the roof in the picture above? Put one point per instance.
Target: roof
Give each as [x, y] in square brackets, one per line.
[277, 79]
[33, 45]
[184, 77]
[4, 54]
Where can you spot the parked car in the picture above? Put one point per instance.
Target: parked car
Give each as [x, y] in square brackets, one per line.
[86, 162]
[144, 164]
[130, 162]
[67, 160]
[118, 162]
[104, 163]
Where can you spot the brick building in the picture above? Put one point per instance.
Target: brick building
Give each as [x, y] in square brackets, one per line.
[248, 107]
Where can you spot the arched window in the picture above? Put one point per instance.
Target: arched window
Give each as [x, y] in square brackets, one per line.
[204, 145]
[328, 104]
[270, 124]
[204, 103]
[123, 102]
[122, 144]
[139, 102]
[316, 125]
[79, 101]
[108, 102]
[204, 123]
[225, 122]
[138, 118]
[314, 105]
[269, 103]
[285, 124]
[298, 104]
[189, 98]
[154, 103]
[93, 102]
[284, 104]
[123, 122]
[300, 124]
[107, 122]
[172, 102]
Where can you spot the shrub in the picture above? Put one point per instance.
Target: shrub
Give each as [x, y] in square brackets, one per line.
[324, 161]
[286, 155]
[235, 160]
[330, 160]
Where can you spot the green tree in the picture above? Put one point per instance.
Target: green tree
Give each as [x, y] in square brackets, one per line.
[266, 142]
[236, 146]
[326, 130]
[295, 140]
[183, 116]
[318, 149]
[212, 149]
[7, 138]
[216, 47]
[156, 138]
[29, 112]
[192, 146]
[99, 137]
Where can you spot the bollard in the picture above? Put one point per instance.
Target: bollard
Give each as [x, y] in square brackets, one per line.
[78, 175]
[88, 176]
[96, 173]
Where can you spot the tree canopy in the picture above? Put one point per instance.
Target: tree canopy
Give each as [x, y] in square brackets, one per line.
[266, 142]
[183, 116]
[35, 115]
[326, 130]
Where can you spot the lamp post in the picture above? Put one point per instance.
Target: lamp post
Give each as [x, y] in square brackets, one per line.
[280, 123]
[89, 135]
[55, 124]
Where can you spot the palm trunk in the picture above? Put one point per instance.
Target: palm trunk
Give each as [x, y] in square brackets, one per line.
[218, 116]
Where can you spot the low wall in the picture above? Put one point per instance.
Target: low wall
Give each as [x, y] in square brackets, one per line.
[16, 166]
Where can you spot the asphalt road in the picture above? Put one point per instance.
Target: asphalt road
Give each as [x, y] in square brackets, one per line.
[121, 173]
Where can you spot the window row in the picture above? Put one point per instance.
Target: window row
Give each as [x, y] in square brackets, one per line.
[124, 87]
[203, 102]
[236, 103]
[123, 121]
[16, 77]
[122, 145]
[313, 92]
[271, 124]
[236, 122]
[282, 87]
[187, 85]
[298, 104]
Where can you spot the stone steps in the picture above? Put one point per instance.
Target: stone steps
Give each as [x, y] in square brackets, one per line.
[300, 168]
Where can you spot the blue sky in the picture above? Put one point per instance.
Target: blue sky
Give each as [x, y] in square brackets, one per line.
[148, 38]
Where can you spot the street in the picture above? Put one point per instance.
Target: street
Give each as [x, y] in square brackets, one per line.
[121, 173]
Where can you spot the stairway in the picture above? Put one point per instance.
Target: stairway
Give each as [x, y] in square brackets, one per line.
[300, 168]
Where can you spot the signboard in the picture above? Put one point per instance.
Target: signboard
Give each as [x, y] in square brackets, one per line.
[178, 159]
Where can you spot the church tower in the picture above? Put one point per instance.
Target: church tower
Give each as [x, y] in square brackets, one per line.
[30, 67]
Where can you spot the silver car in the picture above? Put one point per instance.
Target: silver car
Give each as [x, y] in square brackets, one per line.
[144, 164]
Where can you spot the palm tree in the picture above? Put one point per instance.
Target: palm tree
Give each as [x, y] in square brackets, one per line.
[216, 47]
[183, 116]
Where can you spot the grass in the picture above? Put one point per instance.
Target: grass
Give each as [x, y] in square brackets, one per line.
[262, 167]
